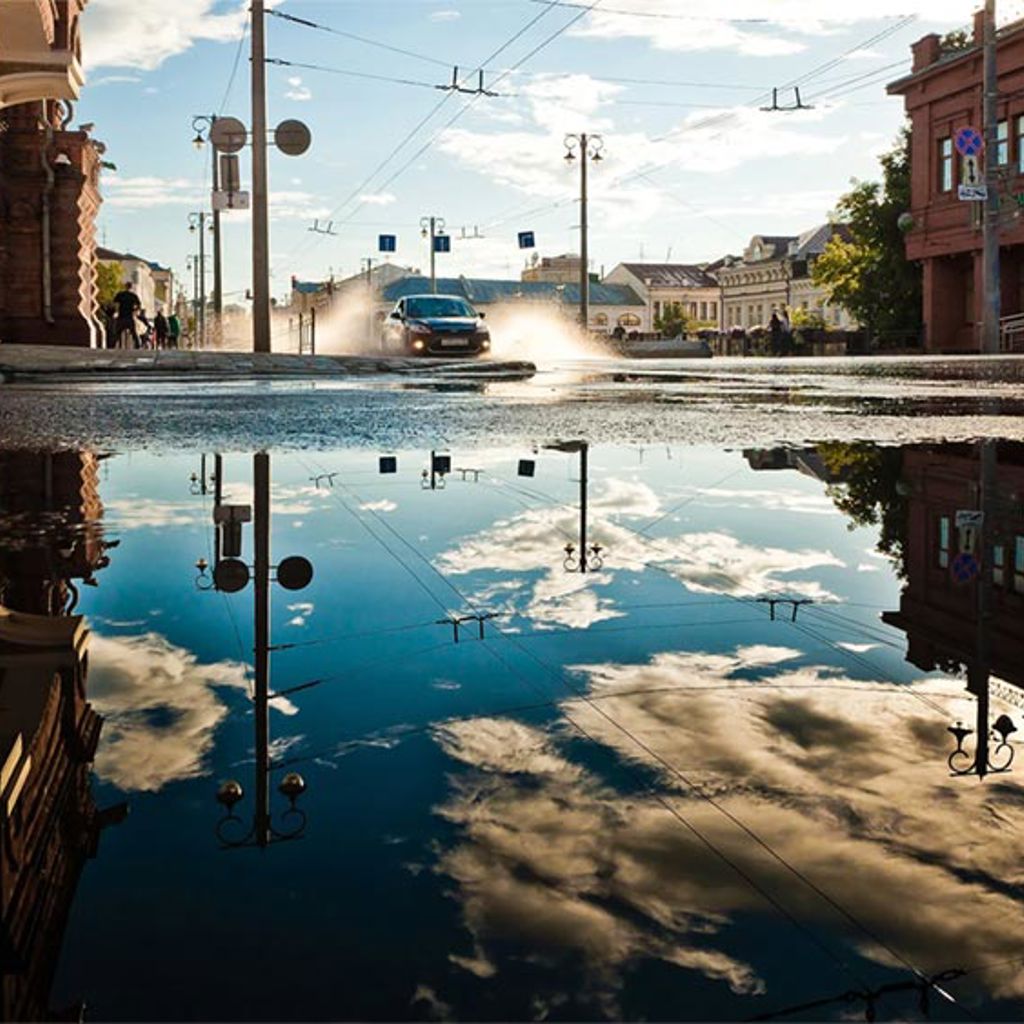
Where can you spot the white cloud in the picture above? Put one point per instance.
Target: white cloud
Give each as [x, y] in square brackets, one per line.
[384, 505]
[378, 199]
[135, 513]
[126, 33]
[148, 192]
[303, 610]
[445, 15]
[770, 29]
[161, 709]
[297, 91]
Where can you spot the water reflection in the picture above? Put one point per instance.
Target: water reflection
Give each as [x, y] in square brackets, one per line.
[624, 793]
[51, 543]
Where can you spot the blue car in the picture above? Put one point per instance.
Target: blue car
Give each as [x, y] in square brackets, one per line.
[435, 325]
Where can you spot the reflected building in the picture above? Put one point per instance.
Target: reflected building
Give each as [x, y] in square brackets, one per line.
[938, 612]
[49, 822]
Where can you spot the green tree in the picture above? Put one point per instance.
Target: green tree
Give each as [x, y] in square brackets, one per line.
[673, 320]
[109, 280]
[868, 271]
[869, 492]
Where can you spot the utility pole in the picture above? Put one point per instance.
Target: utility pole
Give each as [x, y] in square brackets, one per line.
[260, 212]
[430, 228]
[197, 222]
[584, 489]
[369, 296]
[205, 123]
[992, 304]
[261, 695]
[590, 147]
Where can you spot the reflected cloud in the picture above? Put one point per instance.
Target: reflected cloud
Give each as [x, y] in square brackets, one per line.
[843, 778]
[712, 562]
[161, 709]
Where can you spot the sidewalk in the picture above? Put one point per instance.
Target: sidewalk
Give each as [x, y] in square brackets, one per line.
[22, 361]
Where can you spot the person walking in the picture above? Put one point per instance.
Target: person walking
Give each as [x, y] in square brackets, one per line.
[160, 328]
[173, 330]
[775, 330]
[787, 332]
[127, 304]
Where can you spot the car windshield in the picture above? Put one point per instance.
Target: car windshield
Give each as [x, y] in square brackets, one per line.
[438, 305]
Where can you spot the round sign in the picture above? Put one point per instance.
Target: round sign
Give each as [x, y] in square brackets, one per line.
[295, 573]
[231, 575]
[292, 138]
[964, 567]
[969, 142]
[228, 135]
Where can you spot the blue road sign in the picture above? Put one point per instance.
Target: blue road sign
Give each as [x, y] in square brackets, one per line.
[442, 243]
[388, 243]
[968, 141]
[964, 567]
[527, 240]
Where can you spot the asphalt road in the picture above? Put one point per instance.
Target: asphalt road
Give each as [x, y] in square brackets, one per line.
[724, 402]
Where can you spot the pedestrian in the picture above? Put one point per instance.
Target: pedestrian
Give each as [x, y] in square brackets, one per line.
[127, 303]
[110, 325]
[787, 332]
[160, 328]
[173, 330]
[146, 331]
[775, 329]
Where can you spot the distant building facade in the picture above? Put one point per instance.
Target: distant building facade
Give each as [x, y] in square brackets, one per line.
[564, 269]
[662, 285]
[943, 93]
[776, 272]
[153, 284]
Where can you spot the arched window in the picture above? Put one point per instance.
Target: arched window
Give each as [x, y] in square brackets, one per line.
[629, 320]
[600, 319]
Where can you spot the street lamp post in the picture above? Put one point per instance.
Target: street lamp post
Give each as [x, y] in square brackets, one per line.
[232, 575]
[589, 147]
[202, 125]
[197, 222]
[432, 227]
[588, 557]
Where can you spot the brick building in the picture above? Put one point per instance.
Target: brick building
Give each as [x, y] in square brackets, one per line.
[943, 93]
[49, 176]
[938, 613]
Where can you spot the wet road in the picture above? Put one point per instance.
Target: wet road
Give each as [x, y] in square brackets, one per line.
[728, 402]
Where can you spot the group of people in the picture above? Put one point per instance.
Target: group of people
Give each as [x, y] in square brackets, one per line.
[129, 327]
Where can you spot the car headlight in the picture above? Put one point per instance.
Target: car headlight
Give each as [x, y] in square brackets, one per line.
[419, 345]
[419, 329]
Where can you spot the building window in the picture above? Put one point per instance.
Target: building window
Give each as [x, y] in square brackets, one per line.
[945, 165]
[657, 311]
[703, 311]
[714, 311]
[629, 320]
[944, 541]
[1003, 143]
[1018, 564]
[1020, 144]
[999, 565]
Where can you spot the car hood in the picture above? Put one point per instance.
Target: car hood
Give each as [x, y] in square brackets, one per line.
[454, 324]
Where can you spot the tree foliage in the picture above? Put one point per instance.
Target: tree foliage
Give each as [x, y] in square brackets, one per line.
[868, 271]
[109, 280]
[869, 492]
[673, 320]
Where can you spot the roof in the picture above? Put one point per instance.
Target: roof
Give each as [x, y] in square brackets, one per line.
[775, 246]
[671, 275]
[813, 242]
[308, 287]
[483, 291]
[112, 256]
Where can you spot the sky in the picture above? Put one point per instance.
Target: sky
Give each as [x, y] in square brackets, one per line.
[692, 168]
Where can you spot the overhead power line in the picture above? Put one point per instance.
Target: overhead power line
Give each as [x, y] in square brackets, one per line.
[306, 23]
[281, 62]
[662, 15]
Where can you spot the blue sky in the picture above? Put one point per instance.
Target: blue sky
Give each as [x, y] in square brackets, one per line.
[692, 170]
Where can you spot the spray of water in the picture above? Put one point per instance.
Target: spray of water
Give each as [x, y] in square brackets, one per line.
[540, 334]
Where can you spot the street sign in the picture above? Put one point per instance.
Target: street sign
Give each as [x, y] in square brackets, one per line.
[964, 567]
[293, 138]
[228, 135]
[230, 201]
[387, 243]
[969, 518]
[442, 243]
[972, 193]
[970, 172]
[968, 141]
[527, 240]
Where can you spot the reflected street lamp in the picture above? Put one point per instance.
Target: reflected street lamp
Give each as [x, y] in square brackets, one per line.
[983, 763]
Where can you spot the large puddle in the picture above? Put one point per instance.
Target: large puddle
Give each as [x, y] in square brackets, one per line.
[707, 779]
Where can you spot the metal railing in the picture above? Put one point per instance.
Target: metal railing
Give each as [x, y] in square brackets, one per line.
[1011, 333]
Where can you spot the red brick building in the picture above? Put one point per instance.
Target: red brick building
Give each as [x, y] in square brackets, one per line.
[938, 613]
[943, 93]
[49, 178]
